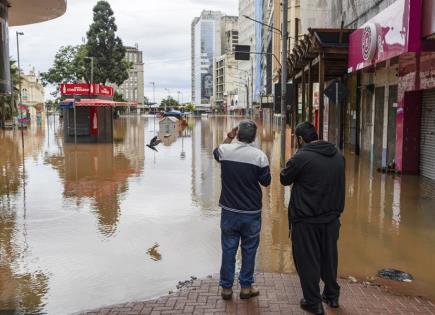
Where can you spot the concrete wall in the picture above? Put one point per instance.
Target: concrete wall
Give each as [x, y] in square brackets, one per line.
[330, 13]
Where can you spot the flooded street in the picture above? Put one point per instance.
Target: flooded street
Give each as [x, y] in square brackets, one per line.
[91, 225]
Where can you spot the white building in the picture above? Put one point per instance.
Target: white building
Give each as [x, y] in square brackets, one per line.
[246, 37]
[206, 45]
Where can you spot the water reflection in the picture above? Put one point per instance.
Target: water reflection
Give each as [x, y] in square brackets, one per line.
[21, 290]
[153, 252]
[95, 172]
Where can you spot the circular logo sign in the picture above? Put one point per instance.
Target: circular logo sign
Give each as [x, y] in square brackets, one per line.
[369, 41]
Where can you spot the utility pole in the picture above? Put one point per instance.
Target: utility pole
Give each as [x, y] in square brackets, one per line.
[92, 68]
[20, 95]
[169, 97]
[154, 91]
[284, 79]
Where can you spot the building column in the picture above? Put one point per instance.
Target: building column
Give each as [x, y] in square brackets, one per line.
[321, 90]
[310, 94]
[358, 114]
[304, 92]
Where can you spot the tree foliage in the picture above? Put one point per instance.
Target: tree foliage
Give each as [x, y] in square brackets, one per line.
[72, 64]
[7, 103]
[169, 103]
[107, 48]
[67, 66]
[190, 107]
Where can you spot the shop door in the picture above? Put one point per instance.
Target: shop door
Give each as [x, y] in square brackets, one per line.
[379, 125]
[391, 133]
[427, 140]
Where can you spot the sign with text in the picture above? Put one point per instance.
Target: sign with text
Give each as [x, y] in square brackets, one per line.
[394, 31]
[86, 89]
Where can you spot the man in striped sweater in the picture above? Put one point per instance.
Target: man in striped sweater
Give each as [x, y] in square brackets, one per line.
[244, 168]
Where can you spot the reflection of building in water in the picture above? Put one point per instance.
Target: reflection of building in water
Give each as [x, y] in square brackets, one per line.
[10, 167]
[19, 290]
[274, 251]
[131, 141]
[207, 134]
[95, 172]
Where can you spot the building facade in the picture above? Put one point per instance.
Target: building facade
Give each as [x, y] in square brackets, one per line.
[206, 45]
[247, 29]
[132, 89]
[387, 66]
[32, 93]
[226, 85]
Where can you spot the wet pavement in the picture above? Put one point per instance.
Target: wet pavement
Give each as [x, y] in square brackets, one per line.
[279, 294]
[92, 225]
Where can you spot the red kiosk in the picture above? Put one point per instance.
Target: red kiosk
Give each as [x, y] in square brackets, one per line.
[88, 112]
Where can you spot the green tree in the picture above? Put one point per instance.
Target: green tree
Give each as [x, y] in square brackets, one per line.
[169, 103]
[65, 68]
[190, 107]
[107, 48]
[8, 103]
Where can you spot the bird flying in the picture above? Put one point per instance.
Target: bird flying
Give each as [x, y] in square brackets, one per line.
[153, 143]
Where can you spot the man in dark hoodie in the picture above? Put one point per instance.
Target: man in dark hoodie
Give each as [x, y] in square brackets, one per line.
[317, 201]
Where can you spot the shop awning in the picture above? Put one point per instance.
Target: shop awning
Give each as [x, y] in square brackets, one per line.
[329, 44]
[69, 103]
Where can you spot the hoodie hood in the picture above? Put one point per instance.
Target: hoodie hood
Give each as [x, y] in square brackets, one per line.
[320, 147]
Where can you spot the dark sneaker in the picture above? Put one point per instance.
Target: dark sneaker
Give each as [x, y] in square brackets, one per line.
[312, 308]
[331, 302]
[227, 293]
[247, 293]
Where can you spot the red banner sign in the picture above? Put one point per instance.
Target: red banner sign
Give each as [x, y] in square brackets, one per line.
[86, 89]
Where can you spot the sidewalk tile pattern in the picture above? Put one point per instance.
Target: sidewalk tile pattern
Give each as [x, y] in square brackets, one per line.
[280, 294]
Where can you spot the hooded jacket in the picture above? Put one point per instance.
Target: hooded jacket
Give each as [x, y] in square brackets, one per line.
[317, 172]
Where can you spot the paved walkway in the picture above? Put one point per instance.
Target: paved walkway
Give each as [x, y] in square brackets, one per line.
[280, 294]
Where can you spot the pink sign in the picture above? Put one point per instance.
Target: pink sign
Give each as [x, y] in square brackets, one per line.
[394, 31]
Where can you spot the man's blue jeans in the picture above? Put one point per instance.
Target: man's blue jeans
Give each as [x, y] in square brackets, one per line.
[236, 227]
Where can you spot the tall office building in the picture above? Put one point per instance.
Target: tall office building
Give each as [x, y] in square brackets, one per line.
[250, 33]
[206, 45]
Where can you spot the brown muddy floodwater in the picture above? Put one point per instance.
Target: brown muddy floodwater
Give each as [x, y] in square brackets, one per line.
[91, 225]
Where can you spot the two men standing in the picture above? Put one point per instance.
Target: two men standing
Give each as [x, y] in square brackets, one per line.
[316, 172]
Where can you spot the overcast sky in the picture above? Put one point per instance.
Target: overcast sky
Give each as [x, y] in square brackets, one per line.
[161, 28]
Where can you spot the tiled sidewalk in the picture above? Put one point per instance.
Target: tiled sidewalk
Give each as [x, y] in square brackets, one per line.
[280, 294]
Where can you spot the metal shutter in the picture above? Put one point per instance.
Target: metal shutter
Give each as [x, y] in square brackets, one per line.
[427, 144]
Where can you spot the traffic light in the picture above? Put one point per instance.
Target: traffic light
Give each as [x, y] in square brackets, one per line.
[242, 52]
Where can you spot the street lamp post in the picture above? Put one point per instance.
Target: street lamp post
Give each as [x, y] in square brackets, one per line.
[154, 91]
[169, 96]
[19, 86]
[284, 37]
[92, 68]
[284, 78]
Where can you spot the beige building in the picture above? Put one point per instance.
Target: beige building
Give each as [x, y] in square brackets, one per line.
[294, 31]
[225, 77]
[32, 93]
[227, 85]
[133, 88]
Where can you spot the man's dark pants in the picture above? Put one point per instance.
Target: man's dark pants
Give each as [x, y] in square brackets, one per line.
[316, 257]
[236, 228]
